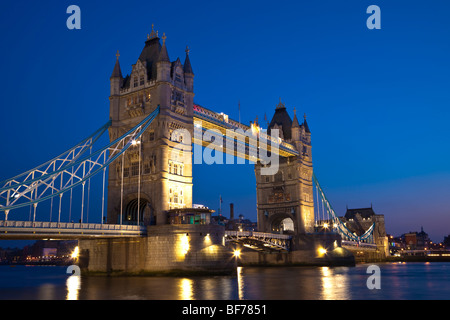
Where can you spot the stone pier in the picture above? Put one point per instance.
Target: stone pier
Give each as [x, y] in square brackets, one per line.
[309, 250]
[167, 249]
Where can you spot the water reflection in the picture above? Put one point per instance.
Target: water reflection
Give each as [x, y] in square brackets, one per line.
[73, 284]
[399, 281]
[186, 289]
[335, 285]
[240, 282]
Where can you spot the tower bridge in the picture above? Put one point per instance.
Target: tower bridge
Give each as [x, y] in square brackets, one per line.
[146, 179]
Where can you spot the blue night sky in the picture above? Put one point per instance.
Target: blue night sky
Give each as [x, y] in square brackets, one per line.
[377, 101]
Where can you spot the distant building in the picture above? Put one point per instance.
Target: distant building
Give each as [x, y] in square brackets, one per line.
[220, 220]
[416, 240]
[447, 242]
[243, 224]
[240, 224]
[50, 249]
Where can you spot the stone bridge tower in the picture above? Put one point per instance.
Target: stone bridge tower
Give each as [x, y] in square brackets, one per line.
[285, 199]
[166, 173]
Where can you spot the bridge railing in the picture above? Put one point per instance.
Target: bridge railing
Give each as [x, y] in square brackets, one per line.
[256, 234]
[358, 244]
[68, 225]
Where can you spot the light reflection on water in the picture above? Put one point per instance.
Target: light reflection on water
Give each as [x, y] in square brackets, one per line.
[398, 281]
[186, 290]
[73, 284]
[335, 284]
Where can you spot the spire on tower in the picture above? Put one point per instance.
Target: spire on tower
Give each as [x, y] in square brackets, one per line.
[187, 63]
[117, 73]
[280, 105]
[153, 34]
[305, 124]
[295, 123]
[163, 55]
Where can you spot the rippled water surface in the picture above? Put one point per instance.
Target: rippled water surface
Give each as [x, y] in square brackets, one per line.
[398, 281]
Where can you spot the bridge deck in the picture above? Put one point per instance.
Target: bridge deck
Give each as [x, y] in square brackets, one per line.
[215, 121]
[65, 230]
[353, 245]
[260, 241]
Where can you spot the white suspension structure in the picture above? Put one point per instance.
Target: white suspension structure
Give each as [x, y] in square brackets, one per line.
[62, 174]
[332, 222]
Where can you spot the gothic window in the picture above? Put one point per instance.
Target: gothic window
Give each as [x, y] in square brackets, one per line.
[135, 82]
[142, 81]
[177, 96]
[170, 169]
[147, 168]
[175, 169]
[279, 176]
[135, 168]
[126, 172]
[177, 77]
[151, 136]
[175, 197]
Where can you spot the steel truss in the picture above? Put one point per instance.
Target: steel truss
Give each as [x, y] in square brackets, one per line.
[71, 169]
[337, 224]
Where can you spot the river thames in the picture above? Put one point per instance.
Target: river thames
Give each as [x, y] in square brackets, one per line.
[399, 281]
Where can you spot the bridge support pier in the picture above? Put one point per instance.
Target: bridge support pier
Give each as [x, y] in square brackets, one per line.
[167, 249]
[307, 249]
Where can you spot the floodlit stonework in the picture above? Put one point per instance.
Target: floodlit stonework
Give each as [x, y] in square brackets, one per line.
[165, 180]
[285, 199]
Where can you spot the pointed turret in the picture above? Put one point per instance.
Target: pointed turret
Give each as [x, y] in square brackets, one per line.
[117, 73]
[281, 120]
[187, 63]
[116, 83]
[295, 129]
[188, 73]
[150, 54]
[295, 123]
[163, 64]
[163, 55]
[305, 125]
